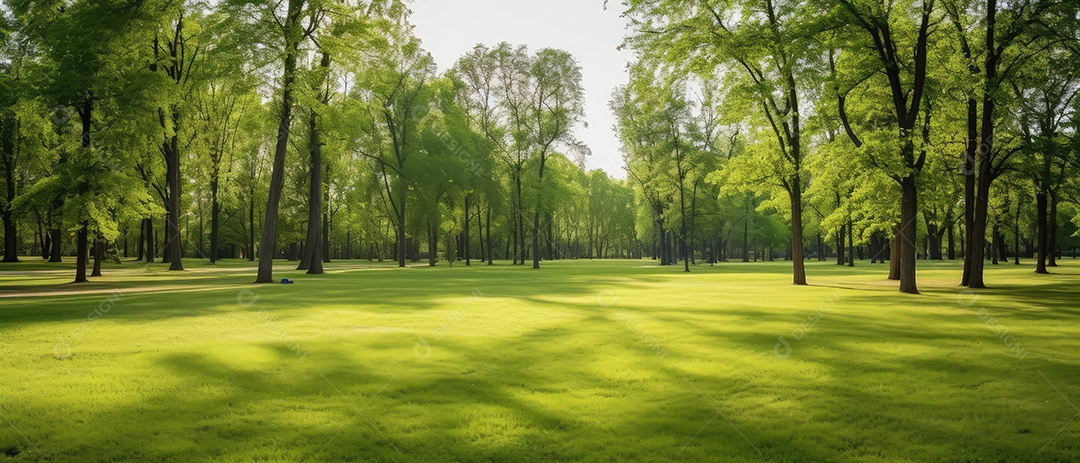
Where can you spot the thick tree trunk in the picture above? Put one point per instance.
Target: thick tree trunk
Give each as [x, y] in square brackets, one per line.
[99, 255]
[268, 245]
[151, 252]
[142, 240]
[1052, 225]
[172, 159]
[81, 246]
[81, 257]
[56, 245]
[986, 150]
[11, 241]
[799, 270]
[909, 210]
[311, 260]
[970, 156]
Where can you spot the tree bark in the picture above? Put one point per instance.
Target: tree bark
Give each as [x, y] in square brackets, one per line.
[840, 256]
[151, 252]
[268, 245]
[172, 160]
[909, 210]
[1041, 206]
[491, 250]
[894, 254]
[11, 241]
[80, 258]
[1052, 224]
[99, 255]
[468, 255]
[215, 212]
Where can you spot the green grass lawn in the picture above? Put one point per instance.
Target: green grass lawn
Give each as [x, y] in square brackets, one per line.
[594, 361]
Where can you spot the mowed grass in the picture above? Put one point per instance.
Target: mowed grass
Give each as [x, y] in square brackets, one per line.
[579, 361]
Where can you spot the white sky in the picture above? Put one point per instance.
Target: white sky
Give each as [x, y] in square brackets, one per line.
[450, 28]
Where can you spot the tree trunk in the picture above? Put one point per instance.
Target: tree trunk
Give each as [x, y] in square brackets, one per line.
[851, 244]
[151, 252]
[142, 240]
[1052, 225]
[970, 155]
[11, 242]
[799, 271]
[985, 160]
[251, 224]
[909, 210]
[99, 255]
[57, 242]
[951, 235]
[468, 254]
[491, 250]
[894, 254]
[433, 242]
[1042, 234]
[1016, 235]
[172, 161]
[80, 257]
[840, 247]
[215, 212]
[311, 260]
[277, 177]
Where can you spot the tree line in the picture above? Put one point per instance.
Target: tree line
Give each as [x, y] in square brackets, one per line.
[751, 129]
[893, 126]
[307, 130]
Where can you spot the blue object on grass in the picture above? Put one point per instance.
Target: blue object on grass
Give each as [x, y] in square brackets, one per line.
[286, 281]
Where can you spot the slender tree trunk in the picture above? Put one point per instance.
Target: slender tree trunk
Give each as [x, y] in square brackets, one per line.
[1042, 234]
[433, 242]
[951, 235]
[268, 245]
[894, 254]
[57, 242]
[1016, 234]
[841, 257]
[468, 254]
[215, 213]
[851, 244]
[251, 223]
[491, 249]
